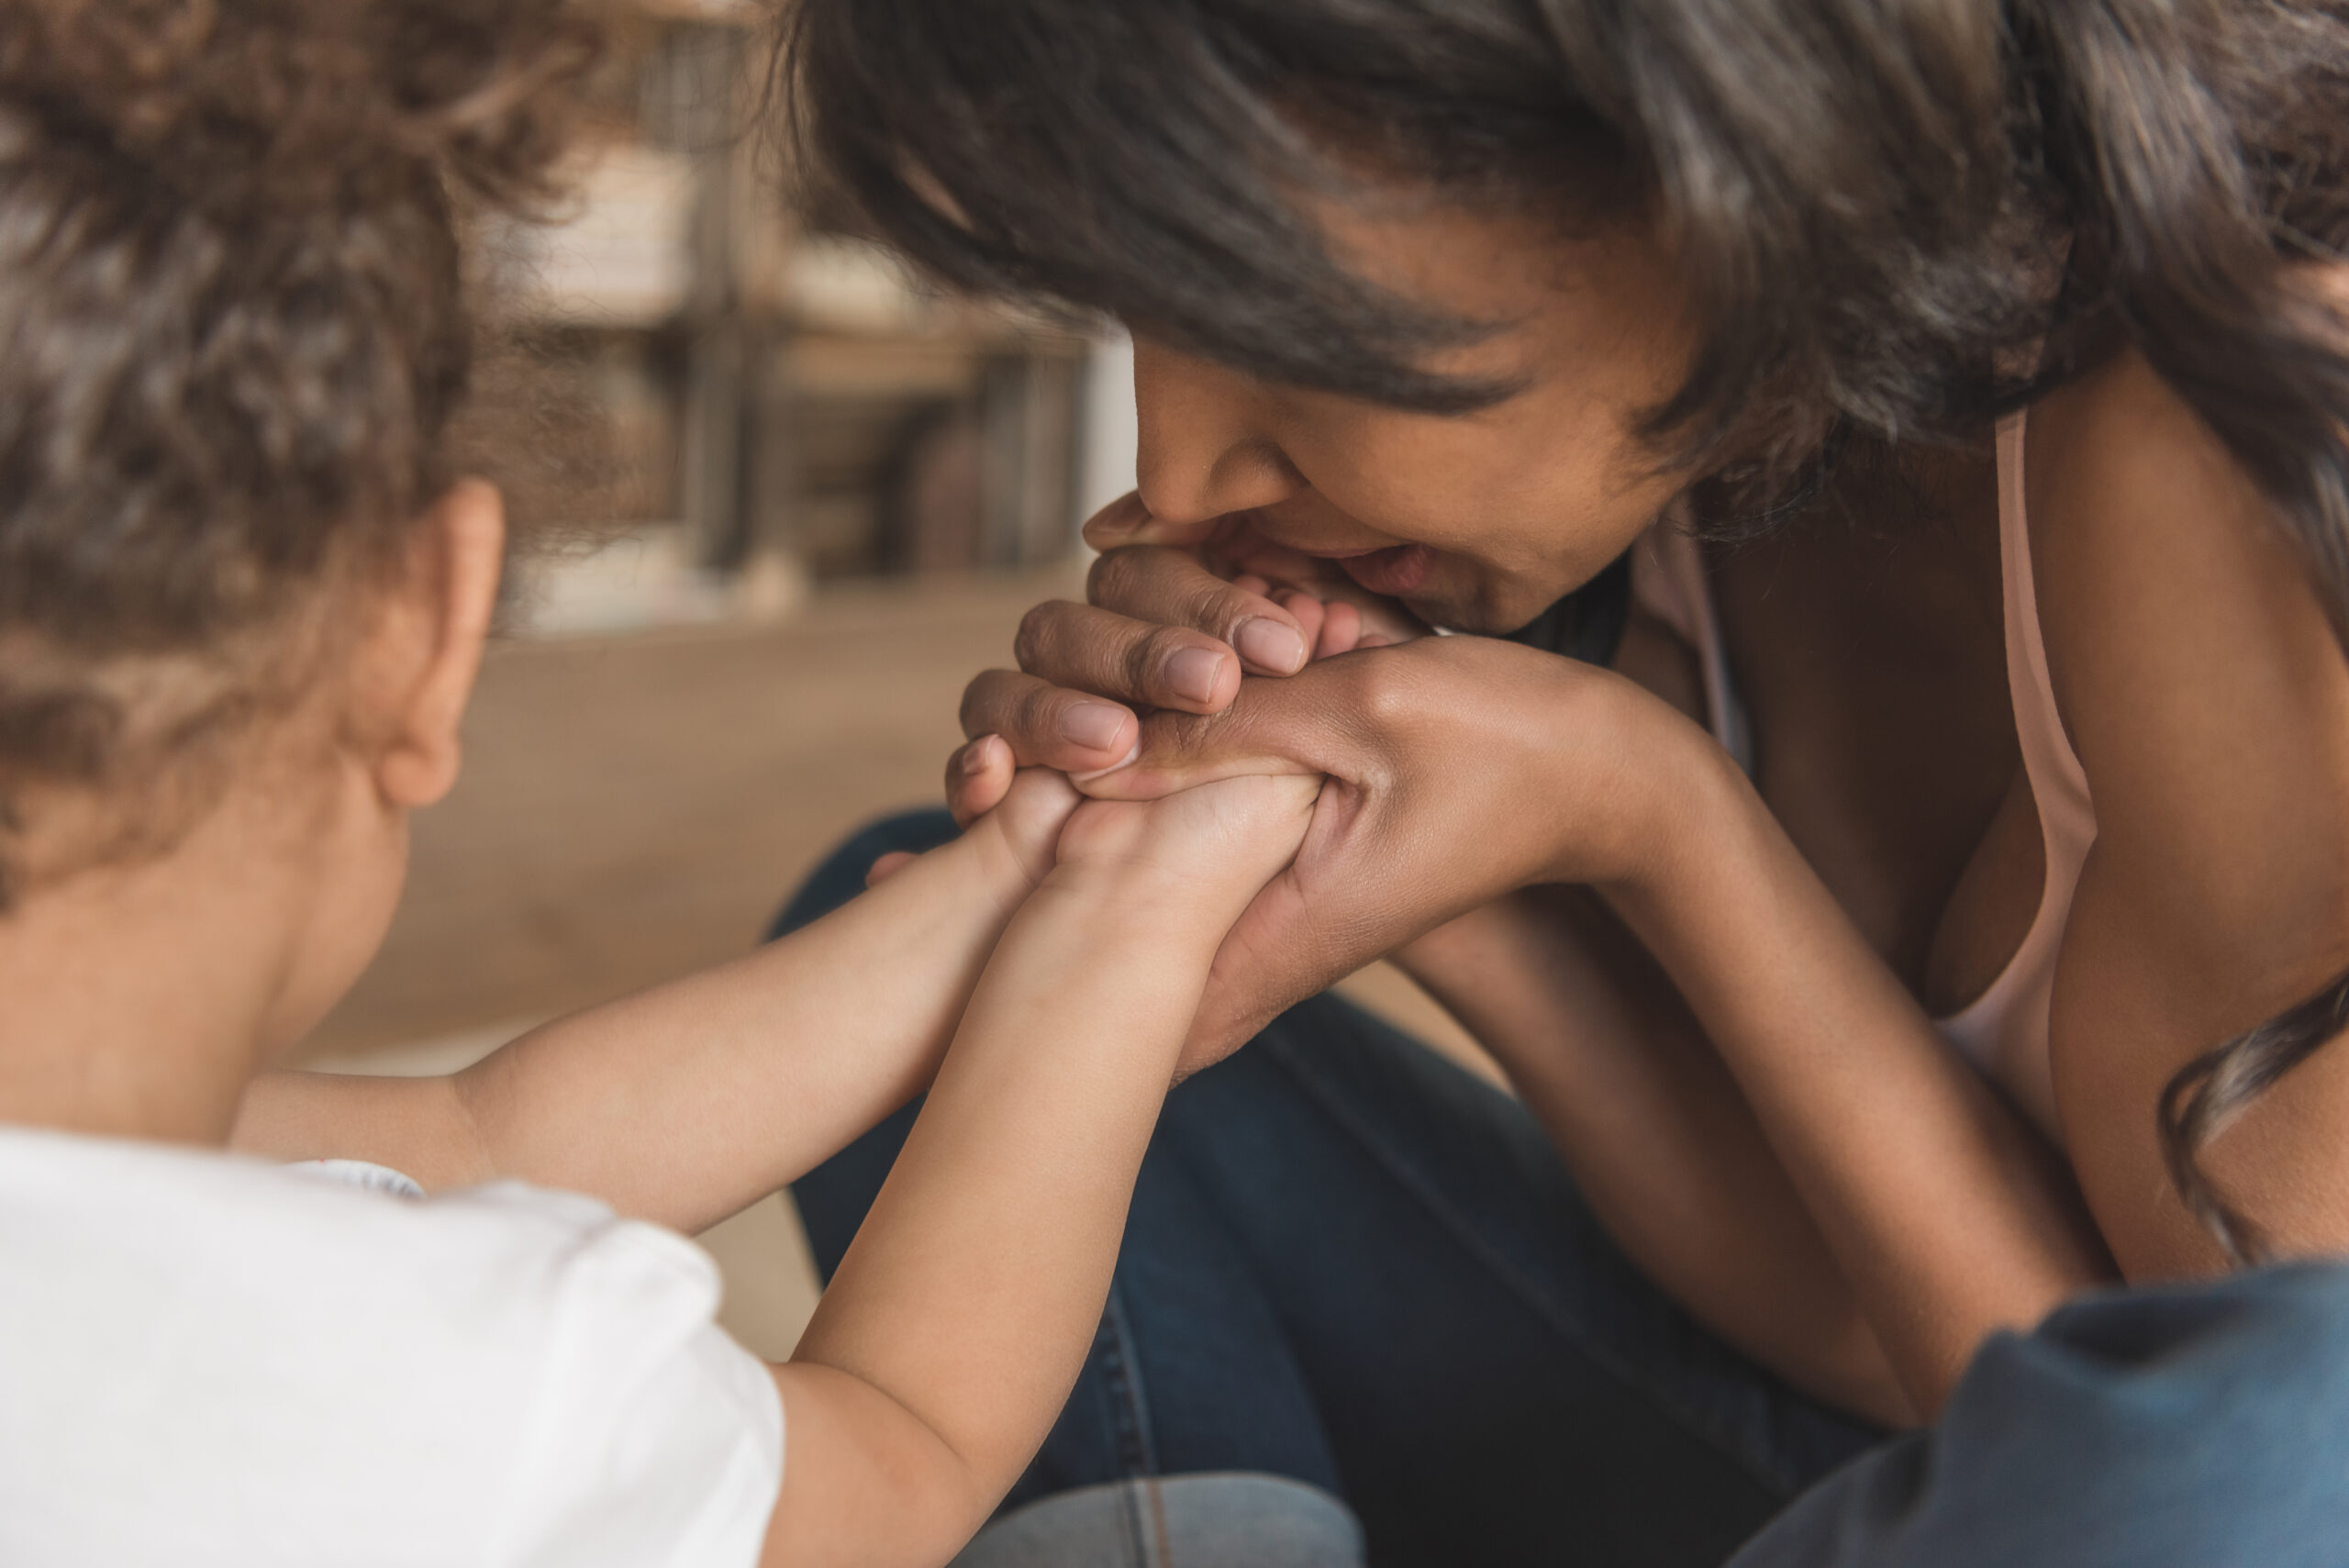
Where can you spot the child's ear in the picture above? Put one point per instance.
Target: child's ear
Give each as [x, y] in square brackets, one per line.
[438, 629]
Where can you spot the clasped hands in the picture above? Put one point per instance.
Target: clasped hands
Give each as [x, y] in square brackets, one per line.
[1458, 768]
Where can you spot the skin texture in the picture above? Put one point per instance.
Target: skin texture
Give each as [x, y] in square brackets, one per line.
[1725, 1025]
[1038, 975]
[233, 945]
[951, 1334]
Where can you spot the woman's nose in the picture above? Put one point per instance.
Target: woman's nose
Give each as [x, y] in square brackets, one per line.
[1207, 448]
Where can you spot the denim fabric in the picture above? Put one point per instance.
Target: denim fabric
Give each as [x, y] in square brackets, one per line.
[1351, 1263]
[1185, 1521]
[2192, 1427]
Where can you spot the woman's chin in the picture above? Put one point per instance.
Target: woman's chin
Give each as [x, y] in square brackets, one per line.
[1484, 608]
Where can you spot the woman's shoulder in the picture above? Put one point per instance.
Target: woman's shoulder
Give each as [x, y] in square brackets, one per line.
[2122, 447]
[2193, 659]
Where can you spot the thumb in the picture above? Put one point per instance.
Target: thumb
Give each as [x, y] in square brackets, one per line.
[1299, 724]
[1169, 762]
[889, 865]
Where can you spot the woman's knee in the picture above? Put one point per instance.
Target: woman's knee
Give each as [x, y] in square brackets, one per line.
[1229, 1521]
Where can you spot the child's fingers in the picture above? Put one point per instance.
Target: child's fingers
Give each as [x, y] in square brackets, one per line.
[977, 778]
[889, 865]
[1259, 561]
[1308, 611]
[1342, 630]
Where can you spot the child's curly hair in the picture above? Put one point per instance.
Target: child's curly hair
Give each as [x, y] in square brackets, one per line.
[233, 332]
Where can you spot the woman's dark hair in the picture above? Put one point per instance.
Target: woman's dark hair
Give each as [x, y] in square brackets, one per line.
[1903, 216]
[233, 334]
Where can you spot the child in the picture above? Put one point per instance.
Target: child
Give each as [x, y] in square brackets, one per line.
[241, 607]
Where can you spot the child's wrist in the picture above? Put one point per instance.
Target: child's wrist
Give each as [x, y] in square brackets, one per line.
[1145, 894]
[987, 866]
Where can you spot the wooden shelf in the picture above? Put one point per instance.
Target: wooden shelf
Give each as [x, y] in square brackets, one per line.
[797, 401]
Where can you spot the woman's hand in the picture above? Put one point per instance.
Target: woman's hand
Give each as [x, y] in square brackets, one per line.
[1459, 768]
[1176, 617]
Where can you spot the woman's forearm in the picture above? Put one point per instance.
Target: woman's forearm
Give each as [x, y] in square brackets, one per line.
[1950, 1217]
[684, 1103]
[1660, 1139]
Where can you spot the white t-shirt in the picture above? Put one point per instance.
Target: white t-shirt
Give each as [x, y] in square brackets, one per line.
[207, 1360]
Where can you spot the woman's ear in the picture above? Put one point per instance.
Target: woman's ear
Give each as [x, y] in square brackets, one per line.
[436, 633]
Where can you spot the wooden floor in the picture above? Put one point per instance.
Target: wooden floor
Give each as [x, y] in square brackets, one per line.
[632, 808]
[635, 808]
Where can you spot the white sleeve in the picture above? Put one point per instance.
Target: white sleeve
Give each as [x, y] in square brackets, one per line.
[653, 1438]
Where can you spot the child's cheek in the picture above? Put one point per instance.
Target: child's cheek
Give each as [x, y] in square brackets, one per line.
[359, 870]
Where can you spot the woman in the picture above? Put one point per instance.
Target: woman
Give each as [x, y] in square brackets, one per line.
[1932, 414]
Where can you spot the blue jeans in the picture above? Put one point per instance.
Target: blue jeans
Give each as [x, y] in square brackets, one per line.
[1351, 1265]
[1180, 1521]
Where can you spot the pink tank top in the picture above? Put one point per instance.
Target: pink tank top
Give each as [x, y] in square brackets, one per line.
[2004, 1031]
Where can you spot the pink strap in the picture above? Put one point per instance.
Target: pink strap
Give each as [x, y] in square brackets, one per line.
[1668, 581]
[2004, 1031]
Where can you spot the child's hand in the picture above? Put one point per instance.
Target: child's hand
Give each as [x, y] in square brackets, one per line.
[1332, 627]
[1336, 614]
[1017, 838]
[984, 768]
[1209, 850]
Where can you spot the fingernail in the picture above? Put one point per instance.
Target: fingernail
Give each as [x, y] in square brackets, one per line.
[1269, 645]
[1192, 673]
[975, 755]
[1120, 517]
[1125, 762]
[1092, 725]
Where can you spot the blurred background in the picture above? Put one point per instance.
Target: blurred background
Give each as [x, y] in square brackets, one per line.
[823, 497]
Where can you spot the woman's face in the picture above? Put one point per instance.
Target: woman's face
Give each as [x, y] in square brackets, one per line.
[1476, 521]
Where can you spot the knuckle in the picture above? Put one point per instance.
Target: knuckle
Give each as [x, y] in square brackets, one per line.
[1219, 607]
[1146, 656]
[1115, 577]
[981, 701]
[1382, 691]
[1037, 711]
[1038, 638]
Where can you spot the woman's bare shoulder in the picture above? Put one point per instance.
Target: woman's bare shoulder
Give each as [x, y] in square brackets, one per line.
[2208, 701]
[2193, 659]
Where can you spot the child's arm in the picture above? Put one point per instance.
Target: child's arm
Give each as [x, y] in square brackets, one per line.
[953, 1329]
[686, 1102]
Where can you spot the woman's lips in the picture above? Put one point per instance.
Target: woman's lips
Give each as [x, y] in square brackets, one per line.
[1394, 572]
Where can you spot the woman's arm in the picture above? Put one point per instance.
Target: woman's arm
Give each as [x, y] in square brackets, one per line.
[1463, 769]
[2205, 695]
[1660, 1137]
[1593, 1036]
[684, 1103]
[948, 1338]
[1948, 1217]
